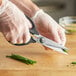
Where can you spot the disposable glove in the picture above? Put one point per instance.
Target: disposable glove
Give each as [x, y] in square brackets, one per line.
[48, 27]
[13, 23]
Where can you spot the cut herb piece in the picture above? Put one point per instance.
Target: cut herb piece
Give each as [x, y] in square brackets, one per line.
[70, 31]
[65, 50]
[22, 59]
[73, 62]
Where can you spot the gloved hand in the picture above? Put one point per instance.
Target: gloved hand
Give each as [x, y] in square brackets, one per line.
[13, 23]
[48, 27]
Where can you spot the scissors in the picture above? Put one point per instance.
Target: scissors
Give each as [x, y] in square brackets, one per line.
[36, 37]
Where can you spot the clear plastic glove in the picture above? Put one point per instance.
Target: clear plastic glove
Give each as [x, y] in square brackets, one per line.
[13, 23]
[48, 27]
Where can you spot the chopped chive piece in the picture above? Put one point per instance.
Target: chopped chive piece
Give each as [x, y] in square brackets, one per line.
[73, 62]
[22, 59]
[70, 31]
[65, 50]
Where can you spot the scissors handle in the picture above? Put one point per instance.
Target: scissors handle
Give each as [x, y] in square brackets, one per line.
[32, 31]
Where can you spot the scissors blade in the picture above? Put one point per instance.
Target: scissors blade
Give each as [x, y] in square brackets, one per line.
[50, 44]
[56, 49]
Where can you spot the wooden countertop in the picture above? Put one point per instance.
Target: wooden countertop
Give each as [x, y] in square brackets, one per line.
[49, 62]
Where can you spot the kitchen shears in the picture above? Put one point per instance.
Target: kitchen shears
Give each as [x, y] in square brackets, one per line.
[36, 37]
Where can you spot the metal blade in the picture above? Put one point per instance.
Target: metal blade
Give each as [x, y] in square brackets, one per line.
[50, 44]
[56, 49]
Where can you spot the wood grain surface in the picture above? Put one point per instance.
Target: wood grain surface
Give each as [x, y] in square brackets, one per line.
[49, 62]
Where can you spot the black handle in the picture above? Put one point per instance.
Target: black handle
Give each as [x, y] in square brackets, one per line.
[33, 29]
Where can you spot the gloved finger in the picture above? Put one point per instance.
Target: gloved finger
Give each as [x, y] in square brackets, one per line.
[55, 35]
[61, 32]
[19, 40]
[26, 37]
[13, 40]
[7, 37]
[10, 38]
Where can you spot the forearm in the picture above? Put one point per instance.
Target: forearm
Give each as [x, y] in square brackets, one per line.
[27, 6]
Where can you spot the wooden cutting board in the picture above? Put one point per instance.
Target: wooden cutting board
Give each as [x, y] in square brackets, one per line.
[49, 62]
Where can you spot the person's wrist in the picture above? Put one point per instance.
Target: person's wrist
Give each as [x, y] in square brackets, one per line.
[37, 13]
[34, 10]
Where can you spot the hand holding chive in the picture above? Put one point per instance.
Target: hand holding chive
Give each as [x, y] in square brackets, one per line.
[22, 59]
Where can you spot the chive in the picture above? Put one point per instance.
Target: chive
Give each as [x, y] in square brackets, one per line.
[65, 50]
[22, 59]
[70, 31]
[73, 62]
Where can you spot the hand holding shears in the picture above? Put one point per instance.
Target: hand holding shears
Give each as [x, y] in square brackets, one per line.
[36, 37]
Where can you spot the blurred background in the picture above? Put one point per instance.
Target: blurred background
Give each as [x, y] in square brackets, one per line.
[57, 8]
